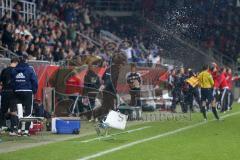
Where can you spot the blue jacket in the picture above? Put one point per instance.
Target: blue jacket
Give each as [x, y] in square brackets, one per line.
[24, 78]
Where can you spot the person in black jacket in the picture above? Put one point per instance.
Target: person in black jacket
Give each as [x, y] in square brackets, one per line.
[91, 86]
[7, 38]
[192, 93]
[7, 94]
[25, 84]
[109, 86]
[177, 91]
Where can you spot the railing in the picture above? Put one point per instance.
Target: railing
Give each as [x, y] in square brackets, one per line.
[28, 9]
[4, 52]
[89, 39]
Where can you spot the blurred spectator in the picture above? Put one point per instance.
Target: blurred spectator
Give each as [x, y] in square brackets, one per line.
[7, 39]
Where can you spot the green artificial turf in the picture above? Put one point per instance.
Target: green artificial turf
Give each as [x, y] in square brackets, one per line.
[213, 140]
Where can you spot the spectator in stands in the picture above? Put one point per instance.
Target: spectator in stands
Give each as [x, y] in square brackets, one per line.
[22, 49]
[7, 38]
[47, 54]
[31, 50]
[17, 15]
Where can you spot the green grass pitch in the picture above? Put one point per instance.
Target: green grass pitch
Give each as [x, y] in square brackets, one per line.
[213, 140]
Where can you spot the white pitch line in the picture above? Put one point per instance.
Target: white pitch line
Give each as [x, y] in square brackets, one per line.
[128, 131]
[150, 138]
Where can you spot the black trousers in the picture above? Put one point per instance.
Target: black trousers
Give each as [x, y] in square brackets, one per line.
[189, 97]
[178, 97]
[224, 99]
[108, 101]
[7, 102]
[26, 99]
[135, 97]
[230, 99]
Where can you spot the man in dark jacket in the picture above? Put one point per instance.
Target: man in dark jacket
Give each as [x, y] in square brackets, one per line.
[177, 91]
[192, 92]
[91, 87]
[109, 86]
[7, 38]
[25, 84]
[7, 94]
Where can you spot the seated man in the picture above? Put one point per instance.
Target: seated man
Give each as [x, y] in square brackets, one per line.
[134, 82]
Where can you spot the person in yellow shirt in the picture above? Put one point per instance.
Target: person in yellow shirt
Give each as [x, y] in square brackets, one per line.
[206, 84]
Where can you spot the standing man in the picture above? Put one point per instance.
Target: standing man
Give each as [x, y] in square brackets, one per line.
[171, 80]
[230, 80]
[25, 84]
[224, 89]
[134, 81]
[109, 87]
[193, 92]
[91, 87]
[7, 94]
[206, 83]
[177, 93]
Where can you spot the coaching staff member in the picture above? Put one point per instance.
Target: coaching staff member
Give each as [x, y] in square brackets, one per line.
[7, 94]
[206, 83]
[25, 84]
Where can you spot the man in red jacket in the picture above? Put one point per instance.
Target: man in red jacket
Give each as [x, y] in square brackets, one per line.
[230, 79]
[224, 89]
[213, 69]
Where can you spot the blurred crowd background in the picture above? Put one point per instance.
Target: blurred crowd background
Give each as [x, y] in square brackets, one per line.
[71, 29]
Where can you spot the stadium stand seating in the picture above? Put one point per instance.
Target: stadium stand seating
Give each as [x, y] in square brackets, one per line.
[71, 30]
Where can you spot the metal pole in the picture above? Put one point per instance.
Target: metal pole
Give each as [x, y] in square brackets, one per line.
[24, 11]
[11, 8]
[27, 11]
[34, 11]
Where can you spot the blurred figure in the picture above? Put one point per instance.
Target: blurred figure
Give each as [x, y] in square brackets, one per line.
[7, 38]
[177, 94]
[193, 92]
[7, 95]
[109, 87]
[91, 87]
[230, 80]
[171, 80]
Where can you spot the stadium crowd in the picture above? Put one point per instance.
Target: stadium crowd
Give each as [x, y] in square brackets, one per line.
[55, 34]
[212, 24]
